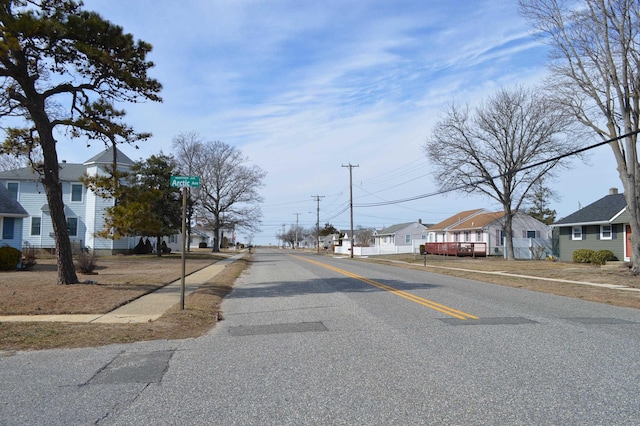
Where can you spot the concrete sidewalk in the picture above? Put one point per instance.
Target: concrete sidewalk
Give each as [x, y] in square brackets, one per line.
[144, 309]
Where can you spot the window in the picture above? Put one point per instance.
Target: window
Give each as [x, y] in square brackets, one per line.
[35, 225]
[531, 234]
[7, 228]
[13, 188]
[457, 237]
[72, 226]
[407, 239]
[605, 232]
[467, 236]
[478, 235]
[576, 233]
[76, 192]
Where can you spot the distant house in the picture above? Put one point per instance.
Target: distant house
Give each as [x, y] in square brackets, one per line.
[201, 238]
[481, 231]
[83, 209]
[12, 215]
[400, 235]
[602, 225]
[440, 232]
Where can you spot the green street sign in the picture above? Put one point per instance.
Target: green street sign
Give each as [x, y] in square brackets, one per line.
[185, 181]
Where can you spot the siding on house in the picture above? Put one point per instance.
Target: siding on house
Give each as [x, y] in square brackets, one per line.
[439, 232]
[403, 234]
[86, 210]
[608, 210]
[591, 240]
[12, 215]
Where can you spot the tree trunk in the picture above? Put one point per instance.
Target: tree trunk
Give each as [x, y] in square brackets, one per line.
[159, 245]
[633, 207]
[51, 183]
[508, 232]
[53, 190]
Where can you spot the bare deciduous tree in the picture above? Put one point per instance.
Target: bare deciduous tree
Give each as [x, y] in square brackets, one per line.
[228, 194]
[186, 147]
[363, 236]
[595, 71]
[513, 130]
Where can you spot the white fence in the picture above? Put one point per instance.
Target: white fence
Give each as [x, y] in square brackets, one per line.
[378, 250]
[531, 248]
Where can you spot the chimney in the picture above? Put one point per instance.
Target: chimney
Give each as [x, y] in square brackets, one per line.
[420, 221]
[613, 191]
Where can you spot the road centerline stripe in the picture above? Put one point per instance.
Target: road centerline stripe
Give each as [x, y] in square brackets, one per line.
[401, 293]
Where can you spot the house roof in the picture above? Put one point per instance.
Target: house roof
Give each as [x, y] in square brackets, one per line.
[454, 220]
[604, 210]
[478, 221]
[9, 206]
[69, 172]
[390, 230]
[106, 157]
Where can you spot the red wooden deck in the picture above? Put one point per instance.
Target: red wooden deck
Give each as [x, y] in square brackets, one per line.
[457, 249]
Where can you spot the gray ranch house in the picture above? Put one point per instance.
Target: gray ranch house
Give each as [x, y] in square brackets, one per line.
[401, 237]
[602, 225]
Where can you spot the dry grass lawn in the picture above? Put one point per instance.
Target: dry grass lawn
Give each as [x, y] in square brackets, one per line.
[486, 269]
[120, 279]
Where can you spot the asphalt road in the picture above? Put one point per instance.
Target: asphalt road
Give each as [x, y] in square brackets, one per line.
[316, 340]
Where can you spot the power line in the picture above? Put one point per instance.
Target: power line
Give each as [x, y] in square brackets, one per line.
[468, 185]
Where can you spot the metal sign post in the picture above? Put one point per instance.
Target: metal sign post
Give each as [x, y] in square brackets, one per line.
[184, 182]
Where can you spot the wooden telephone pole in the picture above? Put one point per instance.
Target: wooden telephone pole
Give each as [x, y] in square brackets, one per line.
[351, 166]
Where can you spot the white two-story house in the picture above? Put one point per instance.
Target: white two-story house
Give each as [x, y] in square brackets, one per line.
[84, 210]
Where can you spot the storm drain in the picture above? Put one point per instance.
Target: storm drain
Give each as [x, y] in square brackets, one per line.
[257, 330]
[139, 367]
[489, 321]
[589, 320]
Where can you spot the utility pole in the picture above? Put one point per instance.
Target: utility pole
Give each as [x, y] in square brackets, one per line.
[318, 197]
[351, 166]
[296, 244]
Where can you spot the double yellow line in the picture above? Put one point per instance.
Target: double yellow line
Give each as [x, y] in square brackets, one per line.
[420, 300]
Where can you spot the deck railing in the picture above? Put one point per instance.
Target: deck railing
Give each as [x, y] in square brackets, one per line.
[457, 249]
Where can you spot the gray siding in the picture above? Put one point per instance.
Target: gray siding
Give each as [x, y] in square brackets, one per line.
[591, 240]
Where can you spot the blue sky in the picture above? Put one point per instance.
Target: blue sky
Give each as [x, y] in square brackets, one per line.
[303, 88]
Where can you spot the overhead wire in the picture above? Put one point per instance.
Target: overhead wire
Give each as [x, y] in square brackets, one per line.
[511, 172]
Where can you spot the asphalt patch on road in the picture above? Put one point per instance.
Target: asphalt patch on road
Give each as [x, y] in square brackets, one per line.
[137, 367]
[258, 330]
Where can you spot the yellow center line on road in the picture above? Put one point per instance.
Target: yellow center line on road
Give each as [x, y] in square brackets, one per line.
[417, 299]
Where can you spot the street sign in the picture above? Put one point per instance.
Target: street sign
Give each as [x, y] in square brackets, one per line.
[185, 181]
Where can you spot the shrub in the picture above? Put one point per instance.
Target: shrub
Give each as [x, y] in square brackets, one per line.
[601, 257]
[86, 262]
[582, 255]
[9, 258]
[28, 257]
[422, 249]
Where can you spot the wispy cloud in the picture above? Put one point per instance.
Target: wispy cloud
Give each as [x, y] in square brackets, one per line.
[304, 87]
